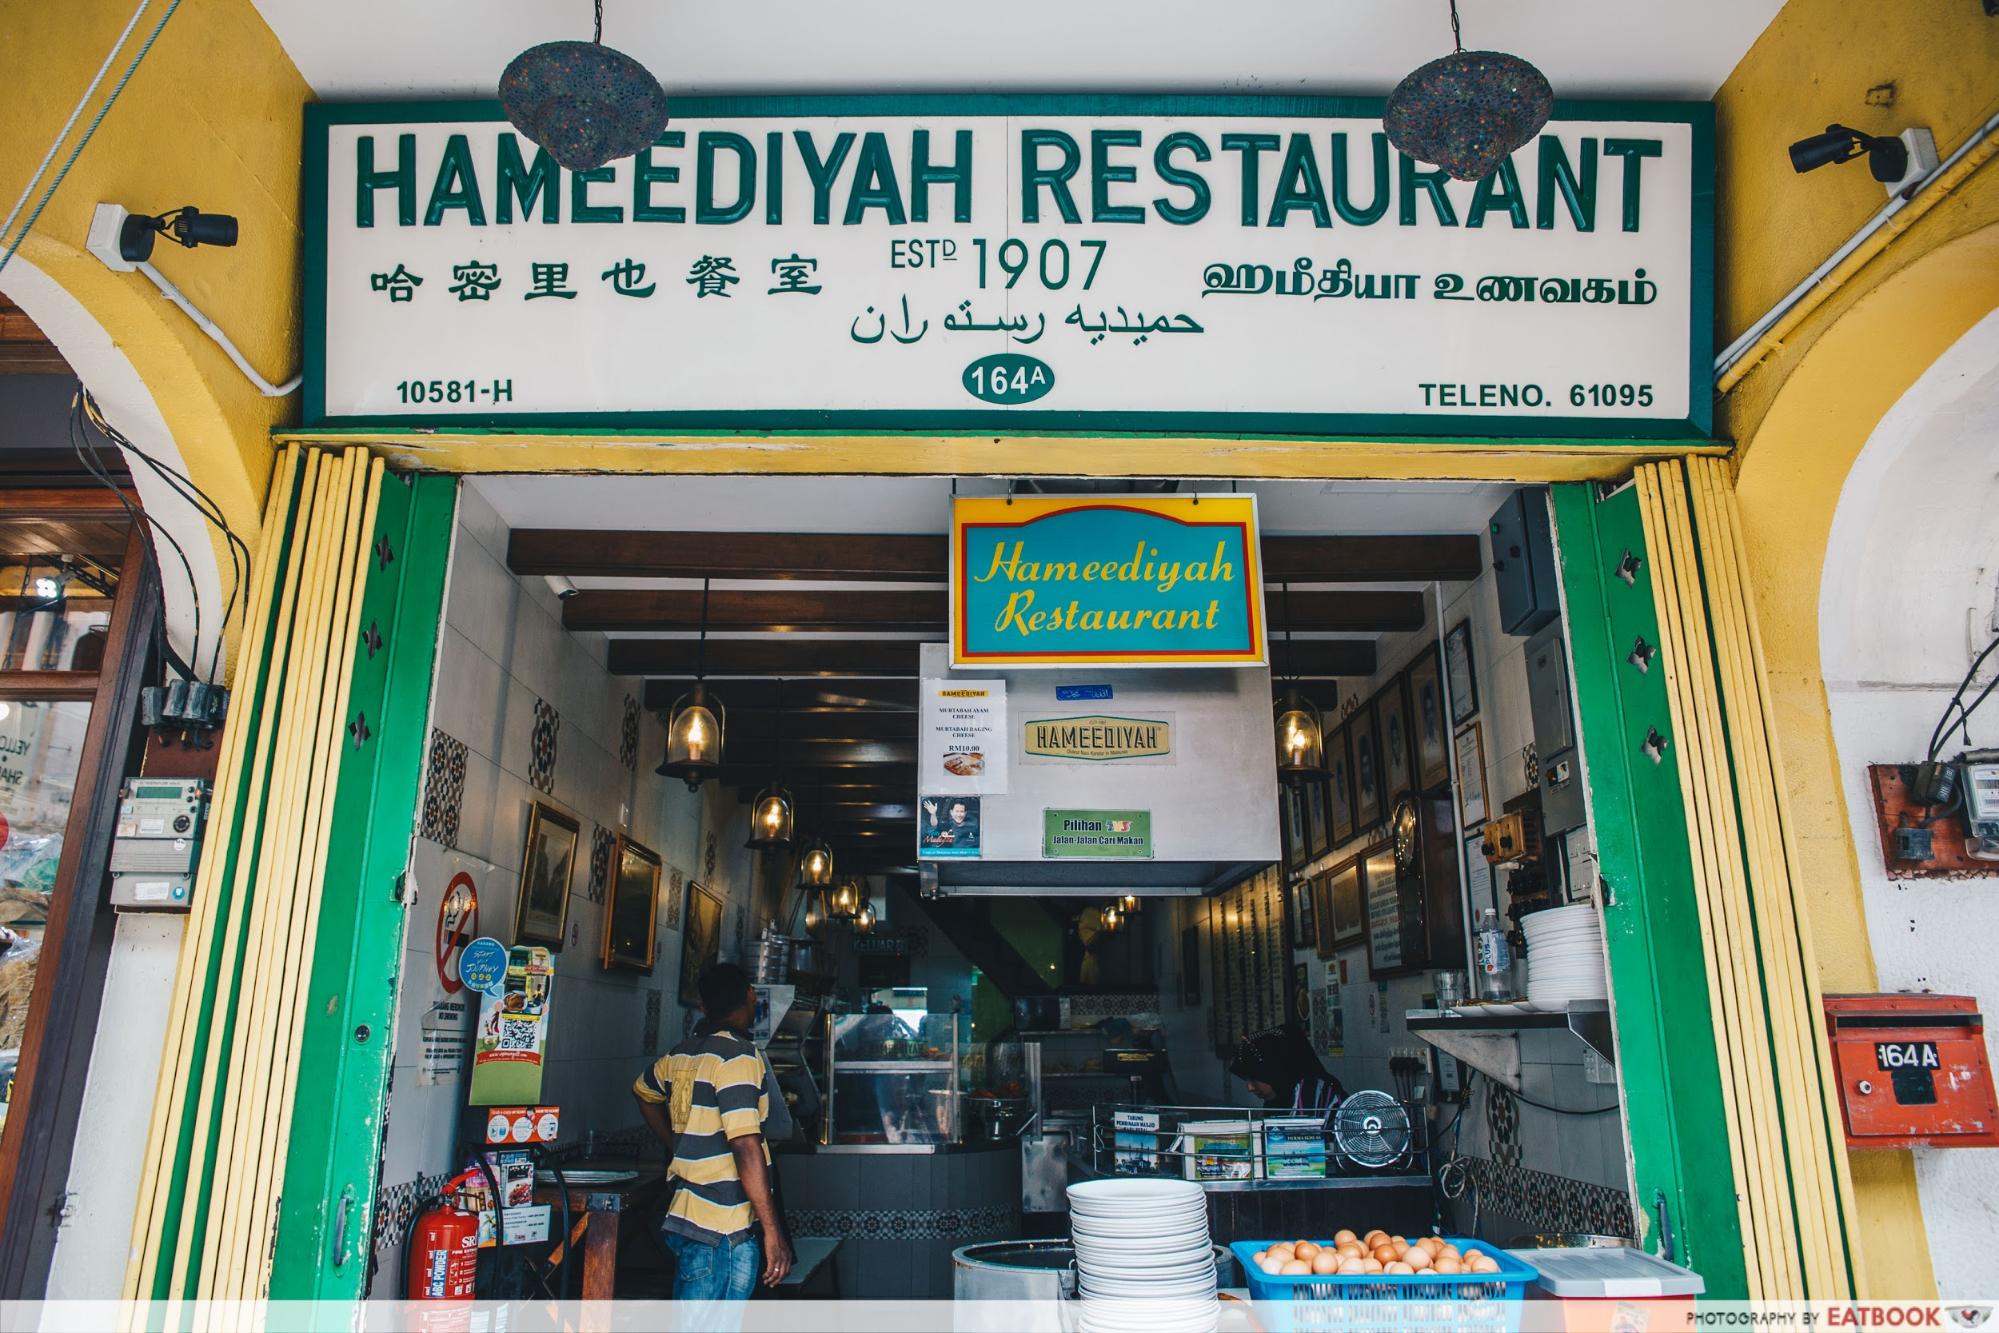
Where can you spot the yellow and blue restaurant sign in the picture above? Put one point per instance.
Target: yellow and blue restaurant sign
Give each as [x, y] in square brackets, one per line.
[1126, 581]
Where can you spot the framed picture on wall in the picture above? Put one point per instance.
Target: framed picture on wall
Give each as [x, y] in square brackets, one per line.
[1426, 721]
[1297, 830]
[1367, 802]
[1322, 913]
[1343, 898]
[541, 913]
[1471, 778]
[1304, 916]
[1391, 720]
[1190, 967]
[1338, 787]
[700, 941]
[1459, 673]
[1318, 836]
[631, 918]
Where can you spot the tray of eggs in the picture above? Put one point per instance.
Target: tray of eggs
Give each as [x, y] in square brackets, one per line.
[1352, 1260]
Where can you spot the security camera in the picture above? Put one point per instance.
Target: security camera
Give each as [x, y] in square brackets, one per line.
[561, 586]
[187, 225]
[1888, 159]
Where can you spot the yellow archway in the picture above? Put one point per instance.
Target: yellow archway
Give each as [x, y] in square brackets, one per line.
[1851, 369]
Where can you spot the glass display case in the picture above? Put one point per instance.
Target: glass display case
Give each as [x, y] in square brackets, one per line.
[890, 1083]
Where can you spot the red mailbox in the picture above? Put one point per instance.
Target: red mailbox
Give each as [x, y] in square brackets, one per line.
[1912, 1071]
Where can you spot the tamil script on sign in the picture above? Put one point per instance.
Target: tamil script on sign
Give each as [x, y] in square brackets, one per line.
[764, 264]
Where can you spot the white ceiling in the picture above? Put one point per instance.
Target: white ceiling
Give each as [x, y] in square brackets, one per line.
[1588, 48]
[922, 504]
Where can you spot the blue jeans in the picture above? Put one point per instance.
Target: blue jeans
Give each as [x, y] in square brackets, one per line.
[706, 1276]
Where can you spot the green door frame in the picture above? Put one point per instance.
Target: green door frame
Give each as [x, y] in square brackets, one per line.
[326, 1215]
[1670, 1076]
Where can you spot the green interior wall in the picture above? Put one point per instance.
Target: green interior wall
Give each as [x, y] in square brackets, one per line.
[1022, 923]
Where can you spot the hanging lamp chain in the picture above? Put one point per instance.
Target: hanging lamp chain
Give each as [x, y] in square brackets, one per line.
[600, 23]
[1457, 34]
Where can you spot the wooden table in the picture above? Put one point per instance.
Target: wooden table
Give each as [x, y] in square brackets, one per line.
[595, 1213]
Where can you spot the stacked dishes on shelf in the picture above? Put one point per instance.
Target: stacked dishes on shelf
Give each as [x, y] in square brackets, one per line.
[1144, 1259]
[1564, 956]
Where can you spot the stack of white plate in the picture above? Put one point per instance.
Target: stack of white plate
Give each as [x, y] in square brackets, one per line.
[1144, 1260]
[1564, 956]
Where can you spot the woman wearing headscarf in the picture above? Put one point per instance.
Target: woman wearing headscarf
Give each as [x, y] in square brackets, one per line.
[1279, 1065]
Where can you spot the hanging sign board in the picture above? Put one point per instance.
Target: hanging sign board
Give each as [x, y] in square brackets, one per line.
[1112, 580]
[1223, 264]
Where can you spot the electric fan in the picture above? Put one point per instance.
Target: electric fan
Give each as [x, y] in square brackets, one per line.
[1371, 1131]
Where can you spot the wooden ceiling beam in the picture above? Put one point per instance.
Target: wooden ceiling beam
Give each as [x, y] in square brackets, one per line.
[921, 558]
[849, 725]
[862, 557]
[920, 610]
[797, 697]
[1307, 658]
[1367, 610]
[818, 754]
[1385, 558]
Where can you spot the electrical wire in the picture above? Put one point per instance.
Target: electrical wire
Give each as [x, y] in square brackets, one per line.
[204, 504]
[1938, 734]
[86, 453]
[91, 130]
[1964, 716]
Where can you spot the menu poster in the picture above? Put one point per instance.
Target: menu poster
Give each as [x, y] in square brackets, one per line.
[1384, 914]
[963, 745]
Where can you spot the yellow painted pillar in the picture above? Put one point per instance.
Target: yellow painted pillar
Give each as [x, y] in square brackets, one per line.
[212, 118]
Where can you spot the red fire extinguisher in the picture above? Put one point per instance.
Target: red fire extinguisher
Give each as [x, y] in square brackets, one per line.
[444, 1247]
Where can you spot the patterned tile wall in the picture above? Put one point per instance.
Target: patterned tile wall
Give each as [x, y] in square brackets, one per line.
[966, 1224]
[541, 761]
[628, 735]
[443, 789]
[1542, 1201]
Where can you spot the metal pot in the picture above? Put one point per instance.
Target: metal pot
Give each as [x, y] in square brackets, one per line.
[1014, 1270]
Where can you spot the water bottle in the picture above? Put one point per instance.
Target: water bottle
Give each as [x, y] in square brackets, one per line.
[1495, 957]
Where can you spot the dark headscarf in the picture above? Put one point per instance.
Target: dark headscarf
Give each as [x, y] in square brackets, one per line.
[1281, 1057]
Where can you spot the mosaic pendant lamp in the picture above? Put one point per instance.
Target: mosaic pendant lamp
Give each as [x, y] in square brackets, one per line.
[584, 102]
[1466, 111]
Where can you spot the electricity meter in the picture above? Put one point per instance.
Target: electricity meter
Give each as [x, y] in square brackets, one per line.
[1980, 786]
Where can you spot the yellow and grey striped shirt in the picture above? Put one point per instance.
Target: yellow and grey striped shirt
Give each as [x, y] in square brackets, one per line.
[713, 1088]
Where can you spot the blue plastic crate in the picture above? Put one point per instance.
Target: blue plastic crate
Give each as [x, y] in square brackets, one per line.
[1483, 1301]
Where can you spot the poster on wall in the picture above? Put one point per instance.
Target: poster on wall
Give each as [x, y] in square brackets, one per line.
[1089, 264]
[947, 828]
[513, 1030]
[1106, 580]
[963, 745]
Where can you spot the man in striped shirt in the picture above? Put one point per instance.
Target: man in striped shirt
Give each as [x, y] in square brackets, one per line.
[705, 1100]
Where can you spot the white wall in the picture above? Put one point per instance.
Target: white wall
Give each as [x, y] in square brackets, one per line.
[1906, 602]
[502, 649]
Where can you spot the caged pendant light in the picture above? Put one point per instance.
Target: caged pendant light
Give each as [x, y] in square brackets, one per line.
[1466, 112]
[1301, 730]
[815, 865]
[582, 101]
[694, 730]
[847, 900]
[773, 813]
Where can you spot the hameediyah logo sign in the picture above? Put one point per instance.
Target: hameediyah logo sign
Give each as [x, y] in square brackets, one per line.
[1097, 739]
[1106, 580]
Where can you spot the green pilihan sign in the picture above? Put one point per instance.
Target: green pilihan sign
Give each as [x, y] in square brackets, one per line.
[1081, 264]
[1096, 834]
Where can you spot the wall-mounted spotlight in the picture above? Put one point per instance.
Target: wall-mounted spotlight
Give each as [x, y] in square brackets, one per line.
[1896, 162]
[188, 225]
